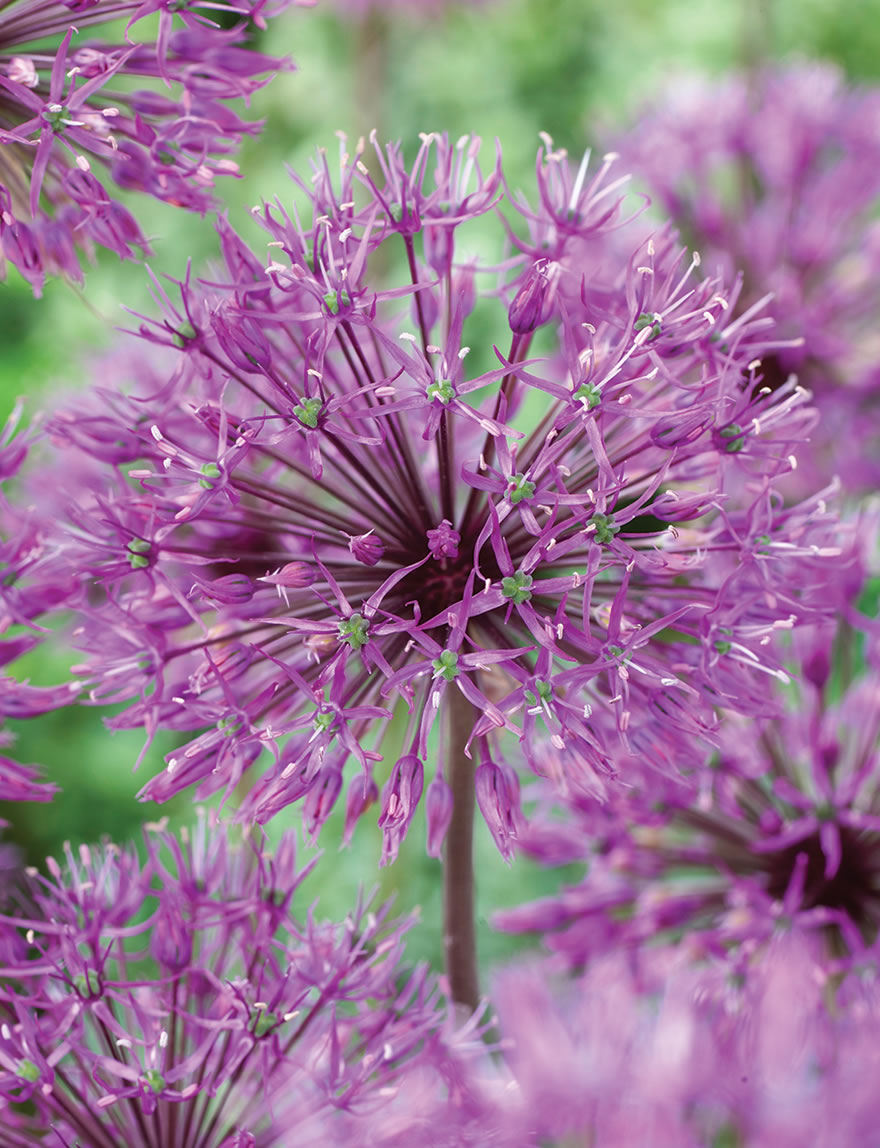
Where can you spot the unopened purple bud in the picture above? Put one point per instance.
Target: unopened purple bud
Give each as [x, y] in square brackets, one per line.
[443, 540]
[320, 800]
[498, 799]
[229, 589]
[171, 939]
[678, 430]
[293, 576]
[817, 667]
[402, 792]
[84, 188]
[533, 303]
[670, 507]
[438, 813]
[362, 792]
[439, 245]
[243, 342]
[22, 250]
[366, 548]
[464, 289]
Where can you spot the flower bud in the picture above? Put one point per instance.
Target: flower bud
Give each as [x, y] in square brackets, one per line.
[439, 244]
[399, 800]
[443, 540]
[498, 799]
[362, 792]
[320, 800]
[170, 939]
[366, 548]
[533, 303]
[228, 589]
[438, 813]
[402, 793]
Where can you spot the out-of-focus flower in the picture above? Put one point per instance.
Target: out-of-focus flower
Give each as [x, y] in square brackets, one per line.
[777, 173]
[321, 515]
[784, 825]
[182, 1001]
[22, 783]
[75, 127]
[650, 1048]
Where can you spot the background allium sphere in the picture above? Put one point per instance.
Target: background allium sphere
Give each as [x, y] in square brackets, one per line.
[72, 123]
[191, 999]
[776, 173]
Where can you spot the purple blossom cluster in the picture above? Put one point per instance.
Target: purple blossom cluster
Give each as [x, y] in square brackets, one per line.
[190, 998]
[650, 1048]
[780, 827]
[776, 173]
[83, 118]
[312, 515]
[554, 526]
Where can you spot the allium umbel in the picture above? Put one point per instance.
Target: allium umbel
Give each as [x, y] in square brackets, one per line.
[322, 516]
[776, 173]
[651, 1048]
[186, 1000]
[73, 124]
[780, 827]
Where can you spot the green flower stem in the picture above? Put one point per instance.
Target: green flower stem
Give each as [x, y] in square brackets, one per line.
[459, 925]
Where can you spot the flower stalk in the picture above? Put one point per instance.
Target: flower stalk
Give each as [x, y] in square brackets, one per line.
[459, 932]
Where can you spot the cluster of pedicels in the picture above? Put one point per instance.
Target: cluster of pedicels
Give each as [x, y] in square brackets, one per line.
[653, 1046]
[780, 829]
[308, 518]
[191, 996]
[776, 173]
[90, 108]
[314, 516]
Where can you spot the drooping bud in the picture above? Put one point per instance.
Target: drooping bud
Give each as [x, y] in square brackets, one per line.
[292, 576]
[320, 800]
[366, 548]
[498, 798]
[362, 792]
[399, 800]
[228, 589]
[439, 244]
[438, 813]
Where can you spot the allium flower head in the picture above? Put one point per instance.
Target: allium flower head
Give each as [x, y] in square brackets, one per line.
[652, 1048]
[73, 124]
[782, 826]
[777, 174]
[325, 515]
[184, 1000]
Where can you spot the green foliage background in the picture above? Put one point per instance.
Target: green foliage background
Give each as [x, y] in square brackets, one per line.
[509, 69]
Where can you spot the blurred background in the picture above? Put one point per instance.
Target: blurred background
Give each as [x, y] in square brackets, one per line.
[510, 69]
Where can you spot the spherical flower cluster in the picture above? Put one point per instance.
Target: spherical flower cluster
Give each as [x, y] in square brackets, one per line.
[80, 118]
[183, 1000]
[652, 1048]
[783, 825]
[321, 516]
[777, 173]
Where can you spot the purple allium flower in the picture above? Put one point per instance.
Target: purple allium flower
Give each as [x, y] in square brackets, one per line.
[182, 1000]
[22, 783]
[651, 1048]
[322, 516]
[777, 174]
[783, 824]
[74, 122]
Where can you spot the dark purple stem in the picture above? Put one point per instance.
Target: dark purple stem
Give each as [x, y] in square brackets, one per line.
[459, 933]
